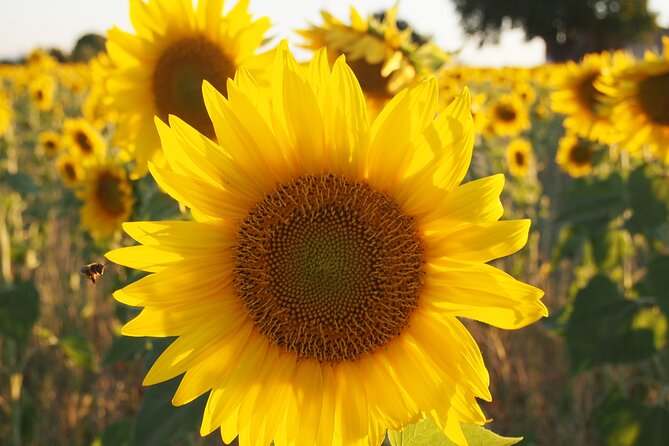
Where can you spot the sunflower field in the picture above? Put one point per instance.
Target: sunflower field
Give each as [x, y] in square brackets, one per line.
[205, 240]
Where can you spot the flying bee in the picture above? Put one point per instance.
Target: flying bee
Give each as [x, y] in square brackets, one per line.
[92, 271]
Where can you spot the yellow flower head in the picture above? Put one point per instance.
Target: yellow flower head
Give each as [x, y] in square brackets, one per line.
[519, 157]
[70, 169]
[83, 141]
[575, 155]
[508, 115]
[576, 95]
[159, 70]
[42, 89]
[383, 57]
[639, 98]
[318, 293]
[95, 107]
[50, 142]
[6, 113]
[108, 199]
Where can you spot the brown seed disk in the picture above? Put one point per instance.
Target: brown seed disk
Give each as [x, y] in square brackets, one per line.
[178, 76]
[654, 99]
[328, 268]
[109, 194]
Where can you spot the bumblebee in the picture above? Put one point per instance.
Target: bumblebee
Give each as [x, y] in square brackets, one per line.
[92, 271]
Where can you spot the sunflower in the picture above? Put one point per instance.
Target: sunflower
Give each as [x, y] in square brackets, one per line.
[383, 57]
[159, 70]
[575, 95]
[95, 107]
[50, 142]
[639, 95]
[108, 199]
[83, 141]
[519, 157]
[318, 293]
[6, 113]
[42, 89]
[508, 116]
[70, 169]
[575, 155]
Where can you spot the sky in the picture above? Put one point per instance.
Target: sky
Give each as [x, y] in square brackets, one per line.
[29, 24]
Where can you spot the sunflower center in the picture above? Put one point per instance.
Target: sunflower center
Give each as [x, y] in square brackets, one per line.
[581, 154]
[505, 113]
[520, 159]
[83, 142]
[587, 93]
[50, 146]
[653, 98]
[109, 193]
[370, 79]
[70, 172]
[178, 76]
[328, 268]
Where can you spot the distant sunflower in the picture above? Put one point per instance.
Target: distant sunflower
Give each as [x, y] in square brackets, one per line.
[639, 95]
[84, 142]
[576, 96]
[575, 155]
[318, 293]
[383, 57]
[519, 157]
[42, 90]
[95, 107]
[70, 169]
[6, 113]
[508, 115]
[159, 70]
[50, 142]
[108, 199]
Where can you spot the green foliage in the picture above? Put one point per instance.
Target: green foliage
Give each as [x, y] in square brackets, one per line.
[123, 349]
[649, 200]
[623, 422]
[657, 280]
[78, 348]
[593, 202]
[87, 47]
[116, 434]
[570, 28]
[604, 327]
[19, 309]
[427, 433]
[158, 423]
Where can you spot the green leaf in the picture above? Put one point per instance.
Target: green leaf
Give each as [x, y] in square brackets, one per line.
[124, 348]
[158, 423]
[20, 182]
[623, 422]
[657, 279]
[19, 309]
[608, 246]
[604, 327]
[117, 433]
[593, 201]
[649, 190]
[427, 433]
[78, 348]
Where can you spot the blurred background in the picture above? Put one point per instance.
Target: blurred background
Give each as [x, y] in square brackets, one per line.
[570, 101]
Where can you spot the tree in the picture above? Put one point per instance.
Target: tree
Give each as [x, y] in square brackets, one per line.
[87, 47]
[570, 28]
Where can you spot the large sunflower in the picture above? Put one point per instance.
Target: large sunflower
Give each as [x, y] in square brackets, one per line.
[639, 95]
[318, 293]
[159, 70]
[576, 96]
[108, 199]
[384, 57]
